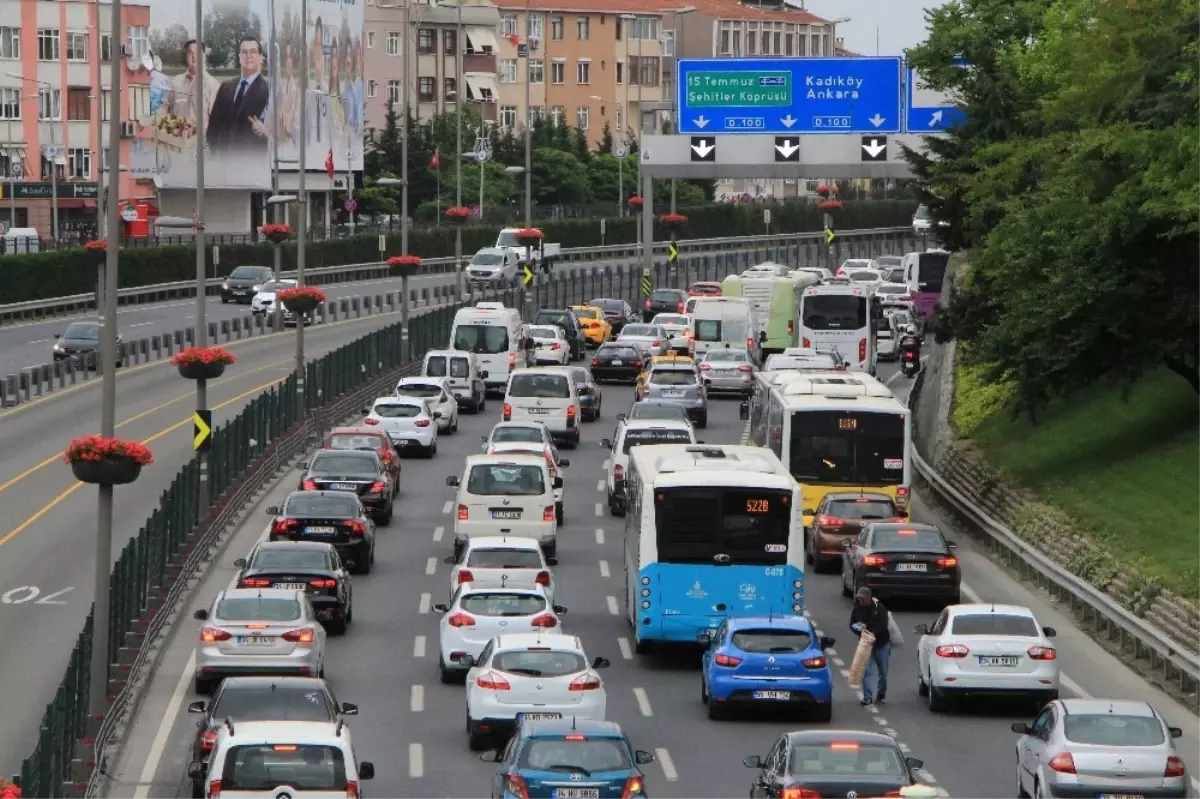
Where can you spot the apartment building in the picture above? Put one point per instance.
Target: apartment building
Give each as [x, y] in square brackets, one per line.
[49, 109]
[432, 45]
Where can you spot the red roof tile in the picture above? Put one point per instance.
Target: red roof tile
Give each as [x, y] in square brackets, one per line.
[717, 9]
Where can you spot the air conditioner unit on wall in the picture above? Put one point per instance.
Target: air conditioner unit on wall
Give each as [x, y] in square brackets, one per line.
[128, 129]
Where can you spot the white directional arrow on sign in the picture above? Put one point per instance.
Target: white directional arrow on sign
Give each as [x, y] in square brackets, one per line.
[875, 147]
[703, 147]
[787, 147]
[877, 120]
[700, 121]
[788, 121]
[935, 119]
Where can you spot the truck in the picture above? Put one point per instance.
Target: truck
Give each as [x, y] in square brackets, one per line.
[542, 256]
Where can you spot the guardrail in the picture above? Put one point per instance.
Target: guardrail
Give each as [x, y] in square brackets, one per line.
[61, 306]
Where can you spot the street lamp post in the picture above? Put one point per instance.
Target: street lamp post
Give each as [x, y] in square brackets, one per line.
[675, 29]
[404, 300]
[459, 80]
[528, 117]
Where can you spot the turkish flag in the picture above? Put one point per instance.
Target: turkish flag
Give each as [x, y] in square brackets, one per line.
[329, 163]
[435, 162]
[514, 39]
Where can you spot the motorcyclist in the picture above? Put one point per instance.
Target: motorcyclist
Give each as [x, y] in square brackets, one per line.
[910, 348]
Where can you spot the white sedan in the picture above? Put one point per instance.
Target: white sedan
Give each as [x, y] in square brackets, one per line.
[975, 650]
[551, 345]
[410, 425]
[529, 677]
[438, 395]
[264, 301]
[676, 325]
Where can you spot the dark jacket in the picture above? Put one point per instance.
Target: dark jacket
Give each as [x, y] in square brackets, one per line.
[874, 617]
[229, 124]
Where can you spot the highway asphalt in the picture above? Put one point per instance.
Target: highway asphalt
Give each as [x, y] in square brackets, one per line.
[411, 725]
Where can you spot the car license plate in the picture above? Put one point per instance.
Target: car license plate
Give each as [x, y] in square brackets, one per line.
[576, 793]
[320, 530]
[256, 640]
[506, 514]
[1122, 796]
[672, 393]
[912, 567]
[775, 695]
[523, 717]
[617, 363]
[342, 487]
[537, 411]
[290, 586]
[998, 660]
[723, 373]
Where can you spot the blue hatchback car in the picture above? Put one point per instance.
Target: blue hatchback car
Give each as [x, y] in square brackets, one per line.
[767, 662]
[568, 759]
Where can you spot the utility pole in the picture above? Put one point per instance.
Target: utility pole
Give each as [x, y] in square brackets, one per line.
[406, 83]
[459, 84]
[200, 339]
[302, 200]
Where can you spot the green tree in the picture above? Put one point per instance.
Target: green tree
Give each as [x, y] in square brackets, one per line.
[224, 27]
[606, 139]
[168, 43]
[559, 178]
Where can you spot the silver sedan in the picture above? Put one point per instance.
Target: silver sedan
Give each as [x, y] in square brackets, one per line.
[652, 338]
[727, 371]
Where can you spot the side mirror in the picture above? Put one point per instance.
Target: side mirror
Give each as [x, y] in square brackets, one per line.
[302, 466]
[441, 608]
[744, 410]
[564, 463]
[606, 443]
[914, 763]
[200, 615]
[558, 482]
[754, 761]
[560, 610]
[551, 561]
[1021, 728]
[196, 771]
[809, 512]
[349, 565]
[708, 382]
[490, 756]
[366, 411]
[483, 439]
[601, 663]
[1049, 632]
[1176, 732]
[620, 417]
[642, 757]
[466, 661]
[827, 641]
[58, 335]
[483, 375]
[196, 707]
[349, 709]
[921, 629]
[366, 770]
[450, 560]
[951, 545]
[273, 510]
[452, 481]
[762, 337]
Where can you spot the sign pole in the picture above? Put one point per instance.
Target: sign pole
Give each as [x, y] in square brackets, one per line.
[200, 339]
[647, 234]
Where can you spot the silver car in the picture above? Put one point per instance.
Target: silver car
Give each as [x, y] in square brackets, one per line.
[678, 385]
[652, 338]
[676, 325]
[1099, 747]
[258, 631]
[727, 371]
[492, 265]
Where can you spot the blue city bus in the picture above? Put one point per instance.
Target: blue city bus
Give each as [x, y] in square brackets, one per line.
[711, 531]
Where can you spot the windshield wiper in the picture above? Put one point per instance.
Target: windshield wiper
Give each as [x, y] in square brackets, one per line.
[565, 767]
[527, 672]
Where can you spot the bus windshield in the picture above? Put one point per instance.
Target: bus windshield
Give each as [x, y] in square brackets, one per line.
[847, 448]
[749, 525]
[931, 271]
[834, 312]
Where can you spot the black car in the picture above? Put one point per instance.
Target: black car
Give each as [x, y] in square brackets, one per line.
[565, 321]
[589, 393]
[262, 699]
[244, 282]
[313, 567]
[331, 517]
[617, 312]
[615, 362]
[832, 763]
[81, 341]
[901, 559]
[664, 301]
[360, 472]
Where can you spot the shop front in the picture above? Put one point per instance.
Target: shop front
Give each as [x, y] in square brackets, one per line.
[30, 204]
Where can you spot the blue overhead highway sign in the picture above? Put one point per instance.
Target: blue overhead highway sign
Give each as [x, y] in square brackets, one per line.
[789, 95]
[928, 110]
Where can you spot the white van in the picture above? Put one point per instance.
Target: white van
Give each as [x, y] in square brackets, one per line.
[505, 494]
[719, 322]
[496, 336]
[462, 371]
[549, 396]
[634, 433]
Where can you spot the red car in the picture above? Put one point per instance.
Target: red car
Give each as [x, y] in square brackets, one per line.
[705, 289]
[368, 439]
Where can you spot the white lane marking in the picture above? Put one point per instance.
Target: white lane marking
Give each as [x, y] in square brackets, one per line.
[626, 649]
[599, 536]
[881, 721]
[438, 532]
[446, 508]
[607, 461]
[164, 728]
[40, 341]
[431, 566]
[818, 632]
[416, 701]
[604, 569]
[892, 379]
[416, 761]
[142, 324]
[419, 646]
[831, 651]
[891, 731]
[426, 601]
[872, 709]
[845, 673]
[643, 701]
[599, 509]
[839, 662]
[926, 776]
[612, 605]
[601, 485]
[668, 765]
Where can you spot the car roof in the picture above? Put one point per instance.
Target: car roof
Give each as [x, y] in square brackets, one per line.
[832, 736]
[293, 546]
[260, 593]
[985, 608]
[362, 430]
[534, 640]
[846, 496]
[769, 622]
[516, 446]
[394, 400]
[1124, 707]
[657, 424]
[300, 732]
[570, 726]
[515, 542]
[249, 683]
[511, 457]
[512, 586]
[530, 423]
[417, 380]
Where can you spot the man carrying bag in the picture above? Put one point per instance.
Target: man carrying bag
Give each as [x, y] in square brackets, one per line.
[870, 621]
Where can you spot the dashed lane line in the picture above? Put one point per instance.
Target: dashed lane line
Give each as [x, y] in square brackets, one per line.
[416, 761]
[426, 602]
[599, 536]
[601, 485]
[599, 509]
[626, 649]
[606, 464]
[431, 565]
[446, 508]
[438, 532]
[612, 605]
[643, 701]
[604, 569]
[416, 700]
[668, 765]
[419, 646]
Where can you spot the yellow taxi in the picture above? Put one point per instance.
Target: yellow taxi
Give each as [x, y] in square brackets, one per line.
[596, 329]
[671, 358]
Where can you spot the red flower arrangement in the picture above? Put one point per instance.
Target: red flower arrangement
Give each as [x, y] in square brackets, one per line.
[208, 356]
[404, 261]
[458, 213]
[96, 245]
[311, 293]
[673, 220]
[529, 235]
[99, 448]
[635, 201]
[829, 205]
[825, 190]
[276, 232]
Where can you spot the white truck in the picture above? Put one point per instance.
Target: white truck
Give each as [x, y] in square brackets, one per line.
[542, 256]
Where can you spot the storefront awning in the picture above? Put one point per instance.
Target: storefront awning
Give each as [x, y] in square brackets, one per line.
[482, 86]
[482, 40]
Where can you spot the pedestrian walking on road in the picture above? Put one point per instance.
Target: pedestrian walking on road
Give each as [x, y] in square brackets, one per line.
[870, 615]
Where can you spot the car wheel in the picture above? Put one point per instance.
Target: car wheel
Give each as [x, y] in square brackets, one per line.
[224, 300]
[350, 611]
[385, 518]
[432, 451]
[476, 741]
[454, 424]
[204, 686]
[198, 791]
[937, 701]
[559, 514]
[922, 686]
[444, 674]
[336, 626]
[364, 566]
[550, 550]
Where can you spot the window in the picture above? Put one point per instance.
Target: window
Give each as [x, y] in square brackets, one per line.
[47, 44]
[425, 90]
[393, 95]
[581, 117]
[79, 104]
[508, 116]
[508, 70]
[10, 103]
[557, 113]
[749, 525]
[620, 122]
[426, 41]
[370, 39]
[537, 71]
[105, 105]
[643, 70]
[556, 28]
[450, 42]
[49, 104]
[581, 26]
[724, 42]
[106, 47]
[508, 24]
[620, 72]
[668, 44]
[583, 72]
[558, 71]
[536, 113]
[536, 26]
[450, 88]
[751, 42]
[644, 28]
[139, 41]
[371, 86]
[79, 163]
[47, 166]
[10, 42]
[393, 43]
[139, 102]
[77, 46]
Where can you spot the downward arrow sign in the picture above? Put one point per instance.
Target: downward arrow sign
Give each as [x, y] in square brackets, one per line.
[787, 148]
[877, 120]
[874, 148]
[788, 121]
[703, 148]
[700, 121]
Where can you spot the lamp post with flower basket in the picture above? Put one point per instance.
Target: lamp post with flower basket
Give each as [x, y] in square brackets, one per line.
[405, 265]
[107, 461]
[277, 233]
[459, 215]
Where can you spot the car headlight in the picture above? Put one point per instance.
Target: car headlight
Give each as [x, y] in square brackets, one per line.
[58, 348]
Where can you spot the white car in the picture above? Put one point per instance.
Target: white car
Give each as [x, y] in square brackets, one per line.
[481, 610]
[438, 395]
[528, 677]
[492, 264]
[408, 422]
[651, 338]
[494, 558]
[554, 463]
[264, 301]
[551, 346]
[632, 433]
[676, 325]
[986, 649]
[852, 264]
[523, 432]
[820, 273]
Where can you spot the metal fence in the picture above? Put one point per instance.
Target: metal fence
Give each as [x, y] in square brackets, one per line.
[162, 564]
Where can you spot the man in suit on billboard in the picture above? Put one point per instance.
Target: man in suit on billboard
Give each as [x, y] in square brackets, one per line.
[237, 120]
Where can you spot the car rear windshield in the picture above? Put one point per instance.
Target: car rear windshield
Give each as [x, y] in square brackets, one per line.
[278, 701]
[502, 604]
[436, 367]
[772, 642]
[304, 504]
[422, 390]
[839, 760]
[558, 318]
[636, 438]
[544, 331]
[343, 465]
[487, 259]
[907, 540]
[590, 756]
[259, 608]
[888, 288]
[503, 435]
[397, 411]
[290, 558]
[864, 277]
[994, 624]
[610, 306]
[540, 386]
[666, 296]
[544, 663]
[677, 319]
[862, 509]
[508, 481]
[504, 559]
[727, 356]
[481, 339]
[1111, 729]
[628, 353]
[708, 330]
[673, 377]
[705, 288]
[639, 330]
[303, 767]
[355, 441]
[657, 410]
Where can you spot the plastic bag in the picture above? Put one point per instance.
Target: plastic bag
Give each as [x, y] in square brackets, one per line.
[862, 654]
[897, 640]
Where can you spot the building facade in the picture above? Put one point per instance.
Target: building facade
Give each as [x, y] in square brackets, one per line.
[51, 114]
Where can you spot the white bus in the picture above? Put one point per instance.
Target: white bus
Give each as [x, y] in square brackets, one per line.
[776, 304]
[710, 532]
[841, 315]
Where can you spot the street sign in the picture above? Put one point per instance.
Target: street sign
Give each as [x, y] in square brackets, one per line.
[834, 156]
[704, 149]
[522, 50]
[483, 156]
[672, 253]
[527, 275]
[202, 431]
[51, 151]
[787, 149]
[619, 151]
[647, 286]
[829, 235]
[16, 171]
[350, 205]
[874, 148]
[789, 95]
[928, 110]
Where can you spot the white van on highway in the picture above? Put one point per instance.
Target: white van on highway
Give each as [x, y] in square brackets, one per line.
[508, 495]
[496, 335]
[719, 322]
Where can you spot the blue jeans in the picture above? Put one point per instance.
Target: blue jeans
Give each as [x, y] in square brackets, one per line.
[877, 671]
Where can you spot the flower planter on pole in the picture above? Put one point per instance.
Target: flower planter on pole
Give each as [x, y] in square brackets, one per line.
[107, 461]
[301, 299]
[408, 263]
[203, 363]
[458, 214]
[276, 232]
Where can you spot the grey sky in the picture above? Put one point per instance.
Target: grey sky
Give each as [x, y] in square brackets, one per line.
[900, 23]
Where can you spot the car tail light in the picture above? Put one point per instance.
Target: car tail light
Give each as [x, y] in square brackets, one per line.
[548, 513]
[351, 789]
[465, 576]
[805, 343]
[507, 412]
[304, 636]
[633, 787]
[207, 740]
[214, 789]
[862, 350]
[705, 367]
[902, 499]
[493, 681]
[323, 583]
[893, 793]
[544, 622]
[378, 487]
[588, 682]
[656, 343]
[727, 660]
[356, 528]
[543, 578]
[512, 358]
[256, 582]
[637, 364]
[745, 368]
[463, 513]
[283, 526]
[370, 421]
[947, 563]
[952, 651]
[679, 307]
[830, 521]
[421, 423]
[516, 786]
[647, 305]
[813, 663]
[618, 472]
[596, 362]
[791, 326]
[800, 793]
[1063, 764]
[1042, 653]
[556, 346]
[1175, 767]
[461, 620]
[214, 634]
[309, 485]
[749, 343]
[873, 560]
[571, 412]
